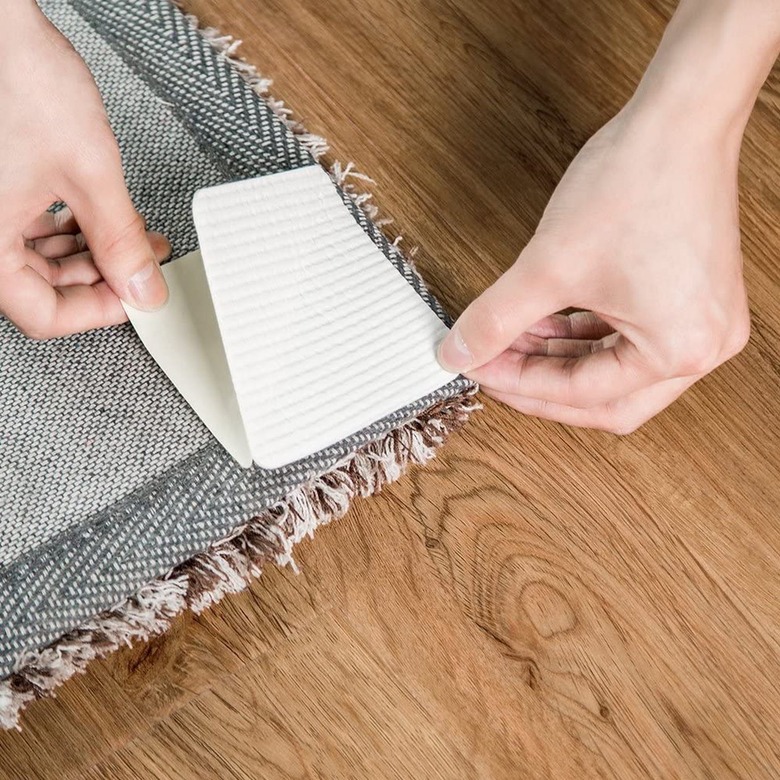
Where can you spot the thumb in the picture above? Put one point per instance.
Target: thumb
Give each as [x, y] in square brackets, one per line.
[116, 236]
[490, 324]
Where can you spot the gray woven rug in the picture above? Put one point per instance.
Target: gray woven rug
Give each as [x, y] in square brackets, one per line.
[117, 507]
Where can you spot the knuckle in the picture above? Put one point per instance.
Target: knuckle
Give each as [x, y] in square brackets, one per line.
[37, 331]
[698, 353]
[622, 419]
[694, 363]
[623, 428]
[704, 345]
[54, 268]
[738, 338]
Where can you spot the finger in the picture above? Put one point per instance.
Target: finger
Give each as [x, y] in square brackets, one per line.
[69, 271]
[42, 311]
[51, 224]
[74, 270]
[620, 417]
[534, 345]
[577, 325]
[115, 231]
[581, 382]
[161, 246]
[489, 325]
[60, 245]
[78, 268]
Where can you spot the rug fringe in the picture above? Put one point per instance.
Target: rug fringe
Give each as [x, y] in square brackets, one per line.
[351, 180]
[145, 614]
[346, 176]
[231, 563]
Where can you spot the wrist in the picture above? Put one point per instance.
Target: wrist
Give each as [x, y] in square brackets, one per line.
[710, 66]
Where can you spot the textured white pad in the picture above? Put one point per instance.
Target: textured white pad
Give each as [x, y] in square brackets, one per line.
[323, 336]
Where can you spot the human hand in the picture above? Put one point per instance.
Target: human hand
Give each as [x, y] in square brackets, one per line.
[641, 236]
[642, 233]
[65, 272]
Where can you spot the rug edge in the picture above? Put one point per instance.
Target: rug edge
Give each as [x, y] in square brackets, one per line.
[230, 564]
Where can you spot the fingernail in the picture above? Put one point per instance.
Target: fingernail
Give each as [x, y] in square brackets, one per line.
[453, 354]
[147, 288]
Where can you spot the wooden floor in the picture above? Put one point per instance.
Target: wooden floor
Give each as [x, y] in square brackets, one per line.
[540, 602]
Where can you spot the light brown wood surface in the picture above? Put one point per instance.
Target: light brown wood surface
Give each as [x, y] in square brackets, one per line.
[540, 602]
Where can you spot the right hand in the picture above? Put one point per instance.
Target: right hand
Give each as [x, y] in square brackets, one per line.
[642, 234]
[65, 272]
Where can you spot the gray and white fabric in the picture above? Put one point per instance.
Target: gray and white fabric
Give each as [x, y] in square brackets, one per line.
[107, 477]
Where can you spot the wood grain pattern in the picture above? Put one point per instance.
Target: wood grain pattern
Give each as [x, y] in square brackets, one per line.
[541, 602]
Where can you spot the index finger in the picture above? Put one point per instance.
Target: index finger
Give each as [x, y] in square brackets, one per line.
[522, 296]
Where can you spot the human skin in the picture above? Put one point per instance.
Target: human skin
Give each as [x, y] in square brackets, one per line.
[65, 272]
[641, 236]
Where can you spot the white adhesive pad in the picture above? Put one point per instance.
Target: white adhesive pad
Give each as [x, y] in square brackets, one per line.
[321, 333]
